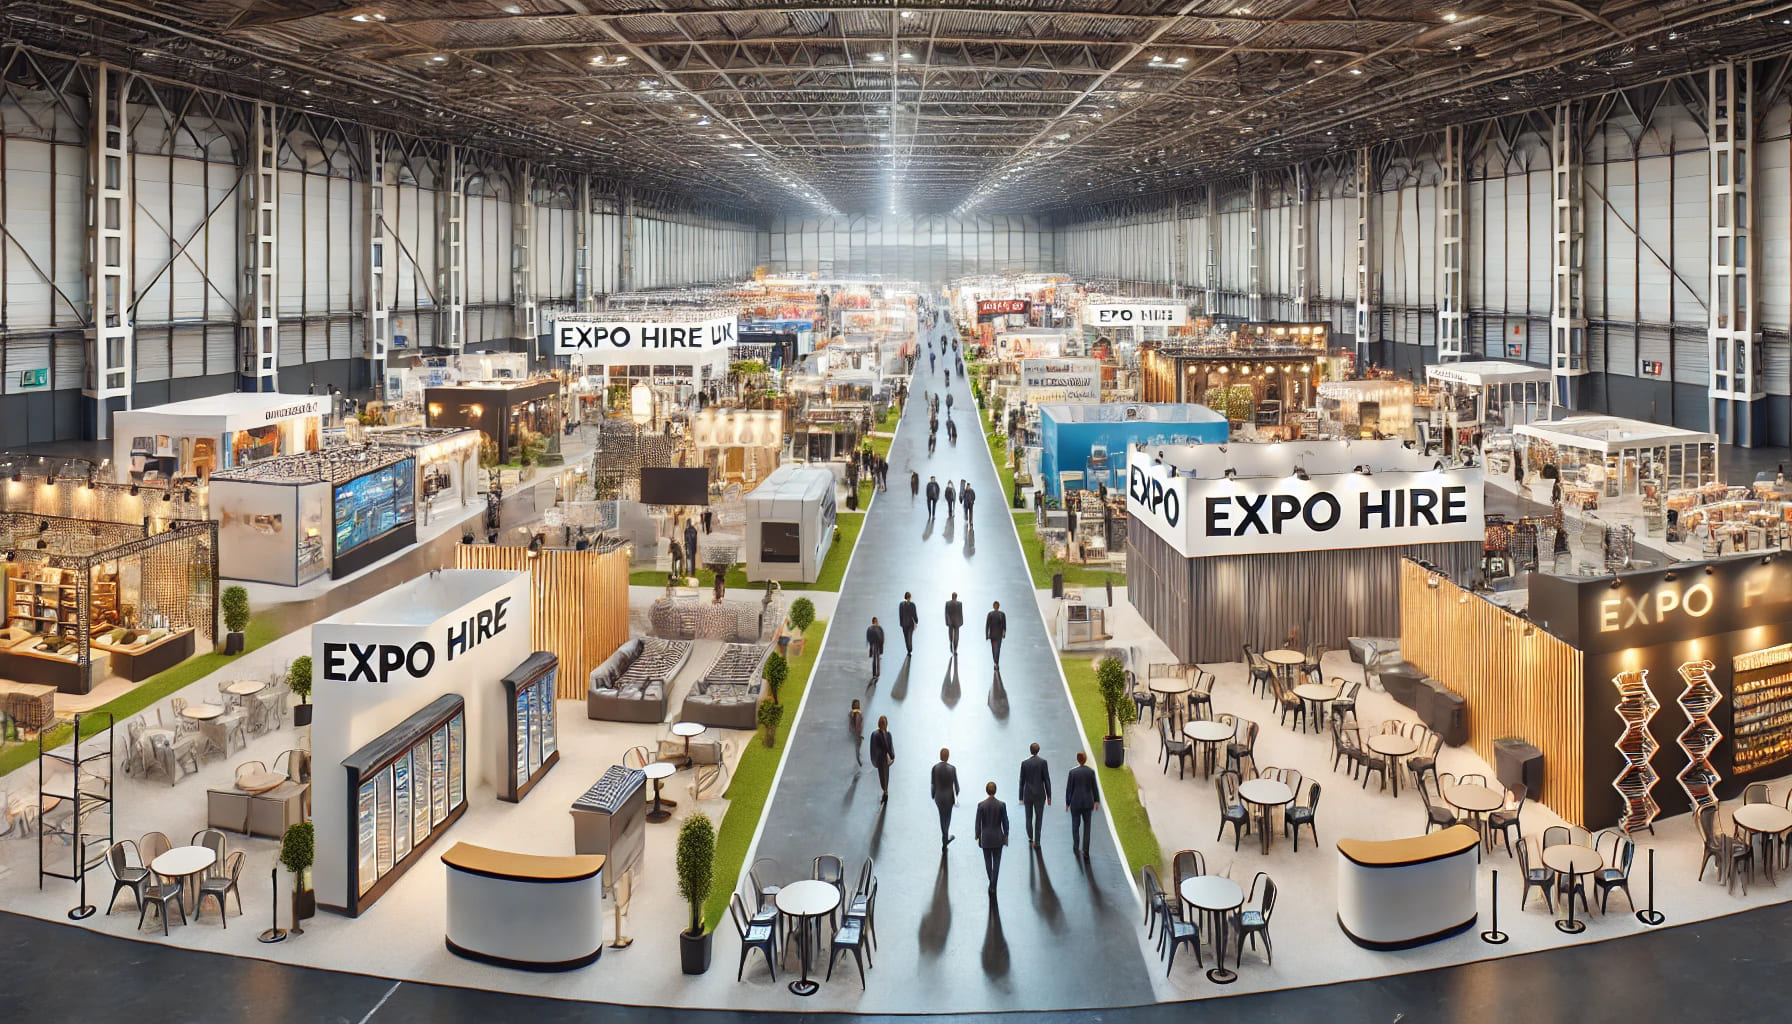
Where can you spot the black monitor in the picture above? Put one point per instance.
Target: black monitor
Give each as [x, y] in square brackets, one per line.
[662, 485]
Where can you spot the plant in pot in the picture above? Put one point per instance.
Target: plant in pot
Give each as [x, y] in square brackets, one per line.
[298, 680]
[802, 616]
[235, 605]
[777, 669]
[770, 714]
[696, 873]
[1110, 679]
[298, 847]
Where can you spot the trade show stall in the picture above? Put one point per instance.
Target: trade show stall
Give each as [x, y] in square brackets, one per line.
[407, 383]
[513, 414]
[299, 517]
[1367, 409]
[1607, 457]
[1491, 394]
[738, 444]
[1092, 439]
[1267, 385]
[188, 441]
[447, 461]
[790, 524]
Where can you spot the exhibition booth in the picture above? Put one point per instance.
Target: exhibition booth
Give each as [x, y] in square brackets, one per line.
[513, 414]
[1491, 394]
[1607, 457]
[407, 383]
[790, 524]
[1367, 409]
[300, 517]
[738, 444]
[1264, 381]
[1253, 543]
[447, 461]
[1086, 444]
[188, 441]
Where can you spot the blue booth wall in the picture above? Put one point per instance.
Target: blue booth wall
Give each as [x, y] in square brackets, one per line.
[1066, 446]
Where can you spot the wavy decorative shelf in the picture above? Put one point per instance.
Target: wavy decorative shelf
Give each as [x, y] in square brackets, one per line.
[1698, 778]
[1635, 784]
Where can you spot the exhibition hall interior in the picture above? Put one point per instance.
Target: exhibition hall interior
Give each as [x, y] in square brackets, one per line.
[1256, 508]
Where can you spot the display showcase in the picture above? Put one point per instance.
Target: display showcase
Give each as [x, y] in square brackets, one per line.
[529, 694]
[404, 790]
[300, 517]
[1612, 457]
[513, 414]
[1761, 720]
[188, 441]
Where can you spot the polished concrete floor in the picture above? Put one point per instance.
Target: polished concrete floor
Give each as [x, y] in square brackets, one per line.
[943, 942]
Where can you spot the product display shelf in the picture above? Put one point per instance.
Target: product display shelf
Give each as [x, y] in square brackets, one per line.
[76, 778]
[52, 607]
[1761, 727]
[1699, 779]
[1635, 784]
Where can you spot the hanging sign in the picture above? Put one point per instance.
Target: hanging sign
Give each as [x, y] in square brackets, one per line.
[1263, 515]
[626, 342]
[1078, 379]
[1134, 316]
[989, 309]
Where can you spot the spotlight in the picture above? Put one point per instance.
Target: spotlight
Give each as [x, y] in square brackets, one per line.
[1300, 472]
[1709, 570]
[1616, 583]
[1438, 465]
[1365, 470]
[10, 555]
[1433, 581]
[168, 495]
[1671, 576]
[42, 544]
[1231, 474]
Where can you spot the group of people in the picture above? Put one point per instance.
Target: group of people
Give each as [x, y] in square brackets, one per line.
[868, 463]
[963, 494]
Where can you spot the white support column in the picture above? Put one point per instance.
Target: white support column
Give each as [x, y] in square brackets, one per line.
[1178, 258]
[1253, 252]
[451, 325]
[111, 342]
[583, 287]
[1302, 196]
[522, 255]
[261, 261]
[1568, 315]
[379, 315]
[1213, 252]
[625, 269]
[1734, 350]
[1449, 249]
[1365, 254]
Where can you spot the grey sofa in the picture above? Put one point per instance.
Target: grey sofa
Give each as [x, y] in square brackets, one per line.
[728, 695]
[633, 684]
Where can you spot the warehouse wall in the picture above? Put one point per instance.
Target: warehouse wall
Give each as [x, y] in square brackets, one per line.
[929, 249]
[1647, 250]
[189, 222]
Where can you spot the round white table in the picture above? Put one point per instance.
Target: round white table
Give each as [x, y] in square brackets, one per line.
[1265, 794]
[806, 900]
[1215, 896]
[1394, 747]
[1170, 688]
[1764, 820]
[1476, 800]
[687, 730]
[657, 771]
[1318, 695]
[1572, 859]
[182, 863]
[1284, 657]
[1210, 735]
[246, 687]
[201, 712]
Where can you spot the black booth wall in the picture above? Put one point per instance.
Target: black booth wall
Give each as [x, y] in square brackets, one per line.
[1204, 608]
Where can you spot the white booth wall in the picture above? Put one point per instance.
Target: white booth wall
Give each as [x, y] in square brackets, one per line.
[794, 495]
[272, 532]
[177, 431]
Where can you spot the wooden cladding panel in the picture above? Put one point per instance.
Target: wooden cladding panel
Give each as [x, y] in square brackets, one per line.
[1516, 685]
[580, 602]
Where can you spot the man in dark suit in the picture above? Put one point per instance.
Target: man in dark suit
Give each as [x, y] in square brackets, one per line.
[944, 787]
[1081, 799]
[874, 641]
[967, 498]
[995, 627]
[954, 620]
[690, 546]
[1035, 794]
[951, 496]
[908, 618]
[992, 833]
[933, 495]
[883, 753]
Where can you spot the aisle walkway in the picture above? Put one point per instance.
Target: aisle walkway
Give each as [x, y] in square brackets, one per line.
[1060, 934]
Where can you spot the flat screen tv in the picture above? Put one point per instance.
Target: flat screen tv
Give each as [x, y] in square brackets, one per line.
[668, 486]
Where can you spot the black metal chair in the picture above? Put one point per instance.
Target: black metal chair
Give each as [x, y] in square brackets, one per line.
[126, 875]
[1303, 814]
[1617, 876]
[1505, 820]
[1142, 698]
[1182, 933]
[1436, 816]
[1243, 746]
[864, 905]
[1535, 878]
[159, 895]
[1186, 864]
[1369, 761]
[1157, 905]
[1252, 921]
[849, 937]
[1200, 695]
[1346, 697]
[219, 886]
[1173, 746]
[754, 934]
[1289, 704]
[1263, 682]
[1232, 811]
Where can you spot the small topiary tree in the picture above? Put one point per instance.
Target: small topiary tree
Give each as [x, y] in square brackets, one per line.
[297, 849]
[298, 678]
[696, 865]
[802, 614]
[235, 605]
[770, 714]
[1110, 679]
[777, 669]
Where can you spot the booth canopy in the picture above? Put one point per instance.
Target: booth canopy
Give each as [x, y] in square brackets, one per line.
[217, 413]
[1486, 372]
[1610, 434]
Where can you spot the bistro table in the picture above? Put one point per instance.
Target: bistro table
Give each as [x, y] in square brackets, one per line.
[246, 687]
[687, 730]
[1476, 800]
[657, 771]
[1265, 794]
[1572, 859]
[1210, 735]
[1216, 896]
[1395, 748]
[1171, 688]
[201, 712]
[1285, 661]
[1764, 820]
[183, 863]
[260, 782]
[807, 900]
[1317, 695]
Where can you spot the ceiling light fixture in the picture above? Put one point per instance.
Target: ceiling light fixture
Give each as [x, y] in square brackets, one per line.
[1450, 16]
[513, 8]
[878, 57]
[439, 59]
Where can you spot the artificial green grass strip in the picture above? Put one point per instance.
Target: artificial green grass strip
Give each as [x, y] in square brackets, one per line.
[833, 569]
[752, 783]
[259, 633]
[1119, 790]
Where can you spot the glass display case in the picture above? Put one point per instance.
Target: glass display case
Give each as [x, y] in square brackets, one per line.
[533, 730]
[405, 789]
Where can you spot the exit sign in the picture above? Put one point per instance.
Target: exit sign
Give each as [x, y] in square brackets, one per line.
[1652, 368]
[39, 378]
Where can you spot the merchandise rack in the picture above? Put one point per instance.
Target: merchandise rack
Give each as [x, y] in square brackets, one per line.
[1636, 706]
[1761, 719]
[89, 768]
[1699, 779]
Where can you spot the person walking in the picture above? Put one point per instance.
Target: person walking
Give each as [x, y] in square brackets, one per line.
[914, 485]
[933, 489]
[1081, 799]
[967, 498]
[883, 754]
[677, 557]
[690, 544]
[930, 359]
[1035, 794]
[944, 789]
[709, 518]
[908, 618]
[874, 642]
[933, 440]
[995, 627]
[951, 432]
[855, 724]
[954, 621]
[948, 403]
[951, 497]
[992, 834]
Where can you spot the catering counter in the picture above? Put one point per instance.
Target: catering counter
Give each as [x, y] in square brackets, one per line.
[1401, 893]
[524, 911]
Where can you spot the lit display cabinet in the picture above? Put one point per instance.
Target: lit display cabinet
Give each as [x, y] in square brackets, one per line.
[1699, 779]
[1636, 783]
[1761, 719]
[533, 724]
[404, 790]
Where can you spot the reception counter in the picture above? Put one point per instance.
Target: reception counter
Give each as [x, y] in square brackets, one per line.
[523, 911]
[1401, 893]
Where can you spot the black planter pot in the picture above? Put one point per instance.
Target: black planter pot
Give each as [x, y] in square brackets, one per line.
[301, 715]
[693, 952]
[233, 643]
[304, 908]
[1113, 751]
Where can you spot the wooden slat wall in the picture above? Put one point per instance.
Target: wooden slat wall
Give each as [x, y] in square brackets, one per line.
[580, 603]
[1515, 685]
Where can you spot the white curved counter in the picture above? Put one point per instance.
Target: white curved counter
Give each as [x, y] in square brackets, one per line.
[523, 911]
[1400, 893]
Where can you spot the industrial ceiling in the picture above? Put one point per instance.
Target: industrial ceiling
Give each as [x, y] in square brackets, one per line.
[913, 107]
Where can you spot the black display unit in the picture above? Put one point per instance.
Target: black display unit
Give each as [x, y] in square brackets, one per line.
[404, 790]
[672, 485]
[533, 723]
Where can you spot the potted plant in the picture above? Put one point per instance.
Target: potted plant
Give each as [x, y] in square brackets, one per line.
[235, 605]
[298, 680]
[802, 616]
[770, 714]
[777, 668]
[1110, 679]
[297, 849]
[696, 871]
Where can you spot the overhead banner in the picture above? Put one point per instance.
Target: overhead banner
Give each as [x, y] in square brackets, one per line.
[1134, 316]
[989, 309]
[1078, 379]
[1203, 517]
[624, 342]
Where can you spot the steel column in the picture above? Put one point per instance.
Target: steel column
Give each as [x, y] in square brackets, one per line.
[379, 315]
[1253, 252]
[1213, 252]
[1568, 314]
[582, 284]
[111, 341]
[261, 261]
[522, 255]
[1449, 248]
[1733, 349]
[451, 329]
[1301, 268]
[1365, 254]
[625, 205]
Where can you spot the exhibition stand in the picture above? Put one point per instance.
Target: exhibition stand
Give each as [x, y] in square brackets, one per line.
[1072, 436]
[1263, 375]
[188, 441]
[1491, 394]
[790, 524]
[447, 460]
[1601, 457]
[507, 412]
[299, 517]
